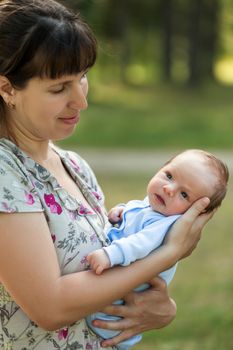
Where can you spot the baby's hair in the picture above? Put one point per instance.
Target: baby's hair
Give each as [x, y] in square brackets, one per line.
[222, 175]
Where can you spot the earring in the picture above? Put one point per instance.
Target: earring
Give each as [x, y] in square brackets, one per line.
[10, 105]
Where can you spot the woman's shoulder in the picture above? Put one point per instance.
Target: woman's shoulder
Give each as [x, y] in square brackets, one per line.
[9, 158]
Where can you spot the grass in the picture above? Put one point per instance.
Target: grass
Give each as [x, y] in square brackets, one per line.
[161, 116]
[203, 285]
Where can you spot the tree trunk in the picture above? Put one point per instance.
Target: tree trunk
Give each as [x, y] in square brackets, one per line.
[194, 42]
[210, 37]
[167, 11]
[203, 37]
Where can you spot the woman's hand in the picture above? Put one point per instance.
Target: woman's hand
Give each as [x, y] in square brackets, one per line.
[186, 232]
[142, 311]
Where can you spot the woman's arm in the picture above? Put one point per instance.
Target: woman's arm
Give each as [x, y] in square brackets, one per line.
[30, 271]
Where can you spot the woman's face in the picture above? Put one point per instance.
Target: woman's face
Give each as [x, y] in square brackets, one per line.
[49, 109]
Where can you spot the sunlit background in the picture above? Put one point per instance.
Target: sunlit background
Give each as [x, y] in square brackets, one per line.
[164, 74]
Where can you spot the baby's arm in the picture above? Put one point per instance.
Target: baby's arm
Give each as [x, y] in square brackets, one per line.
[138, 245]
[99, 261]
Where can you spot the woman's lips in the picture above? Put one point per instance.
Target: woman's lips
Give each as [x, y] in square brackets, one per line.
[70, 120]
[160, 199]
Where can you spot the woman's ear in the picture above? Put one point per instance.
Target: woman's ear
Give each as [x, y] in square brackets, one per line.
[6, 90]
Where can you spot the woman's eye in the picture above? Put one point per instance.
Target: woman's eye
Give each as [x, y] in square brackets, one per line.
[58, 89]
[84, 77]
[184, 194]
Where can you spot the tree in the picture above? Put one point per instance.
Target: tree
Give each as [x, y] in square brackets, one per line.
[167, 29]
[203, 37]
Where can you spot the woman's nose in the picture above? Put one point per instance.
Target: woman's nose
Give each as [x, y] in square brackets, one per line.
[78, 98]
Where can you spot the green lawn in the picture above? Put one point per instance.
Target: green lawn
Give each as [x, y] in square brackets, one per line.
[203, 285]
[120, 116]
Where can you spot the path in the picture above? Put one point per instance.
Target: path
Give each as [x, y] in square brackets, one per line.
[130, 161]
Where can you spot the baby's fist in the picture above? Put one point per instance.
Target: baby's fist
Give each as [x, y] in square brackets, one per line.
[98, 261]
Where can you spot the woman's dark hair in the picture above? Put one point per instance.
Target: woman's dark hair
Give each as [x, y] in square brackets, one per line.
[41, 38]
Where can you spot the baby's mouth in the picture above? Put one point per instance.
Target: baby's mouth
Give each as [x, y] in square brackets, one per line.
[160, 199]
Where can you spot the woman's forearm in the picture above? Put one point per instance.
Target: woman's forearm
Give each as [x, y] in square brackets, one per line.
[86, 292]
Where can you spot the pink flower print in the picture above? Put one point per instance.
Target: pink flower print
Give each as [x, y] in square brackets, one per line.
[84, 211]
[89, 346]
[55, 208]
[84, 260]
[93, 238]
[7, 208]
[98, 209]
[53, 237]
[97, 195]
[73, 215]
[75, 165]
[62, 333]
[29, 198]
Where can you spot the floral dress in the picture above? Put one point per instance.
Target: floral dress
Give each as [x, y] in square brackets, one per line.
[26, 186]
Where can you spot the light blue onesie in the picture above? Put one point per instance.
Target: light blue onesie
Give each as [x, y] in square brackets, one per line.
[141, 231]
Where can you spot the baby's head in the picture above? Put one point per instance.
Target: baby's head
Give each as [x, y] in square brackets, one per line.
[190, 175]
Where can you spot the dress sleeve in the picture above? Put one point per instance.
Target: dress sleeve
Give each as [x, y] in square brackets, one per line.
[17, 192]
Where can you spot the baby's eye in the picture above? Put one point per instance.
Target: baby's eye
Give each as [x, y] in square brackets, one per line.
[184, 194]
[169, 176]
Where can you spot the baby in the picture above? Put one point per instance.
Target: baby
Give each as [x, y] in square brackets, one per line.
[142, 225]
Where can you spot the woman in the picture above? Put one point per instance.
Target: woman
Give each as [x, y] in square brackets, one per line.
[52, 213]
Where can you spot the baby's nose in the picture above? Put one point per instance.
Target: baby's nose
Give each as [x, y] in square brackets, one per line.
[169, 190]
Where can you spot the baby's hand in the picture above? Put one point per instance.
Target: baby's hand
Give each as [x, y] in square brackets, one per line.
[115, 214]
[99, 261]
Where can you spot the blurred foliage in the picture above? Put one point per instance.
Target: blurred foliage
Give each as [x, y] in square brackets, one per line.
[162, 116]
[172, 40]
[155, 85]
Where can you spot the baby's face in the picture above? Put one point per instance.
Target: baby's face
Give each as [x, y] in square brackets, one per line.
[180, 183]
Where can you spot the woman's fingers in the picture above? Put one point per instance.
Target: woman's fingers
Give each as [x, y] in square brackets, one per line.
[186, 232]
[158, 284]
[116, 310]
[119, 338]
[121, 325]
[194, 211]
[202, 220]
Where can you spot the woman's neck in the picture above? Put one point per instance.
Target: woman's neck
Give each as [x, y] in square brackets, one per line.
[37, 149]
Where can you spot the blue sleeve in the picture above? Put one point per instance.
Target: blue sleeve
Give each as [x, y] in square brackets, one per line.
[137, 246]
